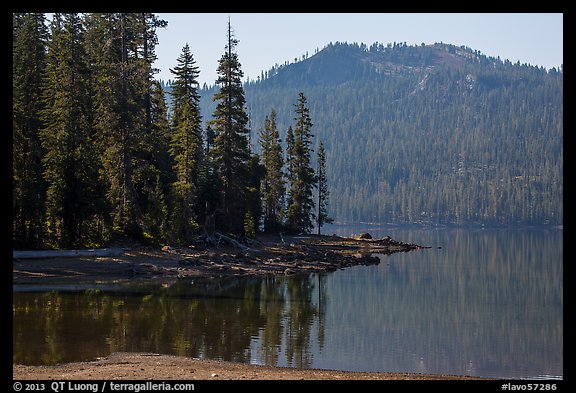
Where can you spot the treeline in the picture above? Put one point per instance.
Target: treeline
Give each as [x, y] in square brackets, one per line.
[97, 156]
[431, 134]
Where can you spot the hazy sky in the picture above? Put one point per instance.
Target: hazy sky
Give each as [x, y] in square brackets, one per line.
[269, 38]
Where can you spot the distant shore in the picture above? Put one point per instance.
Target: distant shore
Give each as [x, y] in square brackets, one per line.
[148, 366]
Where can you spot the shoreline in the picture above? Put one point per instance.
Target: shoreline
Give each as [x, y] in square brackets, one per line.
[267, 255]
[151, 366]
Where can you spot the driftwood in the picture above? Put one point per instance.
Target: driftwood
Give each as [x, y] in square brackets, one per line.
[218, 238]
[39, 254]
[215, 238]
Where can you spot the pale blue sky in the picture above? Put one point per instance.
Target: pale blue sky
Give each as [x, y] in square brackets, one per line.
[269, 38]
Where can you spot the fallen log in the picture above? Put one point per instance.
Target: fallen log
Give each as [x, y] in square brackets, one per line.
[39, 254]
[233, 242]
[217, 238]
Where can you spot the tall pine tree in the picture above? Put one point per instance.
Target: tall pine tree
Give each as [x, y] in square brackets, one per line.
[231, 150]
[302, 179]
[323, 193]
[273, 185]
[186, 145]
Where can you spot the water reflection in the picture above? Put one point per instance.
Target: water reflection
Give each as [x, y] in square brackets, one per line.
[210, 318]
[488, 303]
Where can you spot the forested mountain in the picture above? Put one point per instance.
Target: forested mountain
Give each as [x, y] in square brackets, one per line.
[425, 134]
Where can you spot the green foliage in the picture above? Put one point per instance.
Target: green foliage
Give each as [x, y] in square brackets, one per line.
[186, 146]
[273, 185]
[253, 192]
[231, 152]
[301, 176]
[249, 225]
[323, 193]
[209, 183]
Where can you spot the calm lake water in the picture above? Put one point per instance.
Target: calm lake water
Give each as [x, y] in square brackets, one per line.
[487, 303]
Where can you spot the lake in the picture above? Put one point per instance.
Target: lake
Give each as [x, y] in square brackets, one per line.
[481, 302]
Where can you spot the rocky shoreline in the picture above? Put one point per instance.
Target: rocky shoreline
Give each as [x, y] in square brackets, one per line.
[266, 255]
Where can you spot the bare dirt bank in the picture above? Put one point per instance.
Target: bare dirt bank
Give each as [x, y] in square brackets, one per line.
[147, 366]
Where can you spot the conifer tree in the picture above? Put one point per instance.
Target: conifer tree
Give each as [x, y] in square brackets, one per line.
[28, 187]
[273, 184]
[118, 113]
[186, 146]
[155, 175]
[301, 175]
[70, 161]
[209, 184]
[121, 51]
[149, 158]
[231, 150]
[253, 213]
[323, 193]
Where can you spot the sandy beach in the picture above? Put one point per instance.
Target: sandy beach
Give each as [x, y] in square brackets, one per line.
[148, 366]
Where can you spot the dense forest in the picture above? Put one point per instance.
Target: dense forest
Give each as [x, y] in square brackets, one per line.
[98, 155]
[430, 134]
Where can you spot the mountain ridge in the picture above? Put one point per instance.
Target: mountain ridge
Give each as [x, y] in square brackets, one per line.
[437, 133]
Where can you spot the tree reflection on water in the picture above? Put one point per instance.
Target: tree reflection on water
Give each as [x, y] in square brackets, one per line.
[204, 318]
